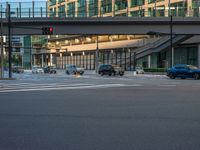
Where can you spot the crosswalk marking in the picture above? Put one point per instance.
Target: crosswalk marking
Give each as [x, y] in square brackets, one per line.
[48, 87]
[32, 86]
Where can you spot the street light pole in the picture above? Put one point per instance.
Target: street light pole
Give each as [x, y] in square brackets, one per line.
[171, 42]
[171, 32]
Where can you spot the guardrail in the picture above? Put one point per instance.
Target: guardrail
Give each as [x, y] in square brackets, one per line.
[46, 9]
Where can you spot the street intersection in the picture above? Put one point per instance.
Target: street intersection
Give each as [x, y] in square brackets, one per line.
[147, 112]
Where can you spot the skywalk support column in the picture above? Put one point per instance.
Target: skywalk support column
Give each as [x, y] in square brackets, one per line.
[198, 56]
[61, 60]
[34, 60]
[51, 59]
[149, 61]
[42, 60]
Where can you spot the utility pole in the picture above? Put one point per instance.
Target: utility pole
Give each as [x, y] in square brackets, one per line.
[2, 54]
[171, 34]
[9, 42]
[171, 42]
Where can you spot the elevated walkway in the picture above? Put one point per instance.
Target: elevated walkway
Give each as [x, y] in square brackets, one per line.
[107, 25]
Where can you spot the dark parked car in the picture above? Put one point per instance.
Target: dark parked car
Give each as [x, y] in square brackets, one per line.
[17, 69]
[110, 70]
[50, 69]
[184, 71]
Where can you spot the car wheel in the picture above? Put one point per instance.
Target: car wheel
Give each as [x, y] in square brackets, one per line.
[196, 76]
[182, 77]
[67, 72]
[102, 73]
[121, 74]
[172, 76]
[54, 72]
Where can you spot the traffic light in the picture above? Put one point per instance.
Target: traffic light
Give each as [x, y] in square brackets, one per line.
[47, 30]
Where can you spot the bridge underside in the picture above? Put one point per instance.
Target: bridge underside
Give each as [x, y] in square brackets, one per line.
[117, 25]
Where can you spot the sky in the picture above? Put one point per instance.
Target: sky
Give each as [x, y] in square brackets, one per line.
[20, 0]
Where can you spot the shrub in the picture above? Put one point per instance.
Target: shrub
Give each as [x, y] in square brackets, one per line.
[155, 69]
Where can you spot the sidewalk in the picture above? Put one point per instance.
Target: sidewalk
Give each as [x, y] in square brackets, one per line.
[131, 74]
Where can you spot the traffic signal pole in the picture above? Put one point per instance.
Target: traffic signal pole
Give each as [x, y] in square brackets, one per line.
[2, 54]
[9, 42]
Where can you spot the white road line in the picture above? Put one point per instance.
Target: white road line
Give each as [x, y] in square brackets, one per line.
[42, 86]
[65, 88]
[168, 85]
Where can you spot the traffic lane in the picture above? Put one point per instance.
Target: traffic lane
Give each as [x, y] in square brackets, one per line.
[113, 118]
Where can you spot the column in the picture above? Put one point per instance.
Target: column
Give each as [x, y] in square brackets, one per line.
[189, 8]
[83, 61]
[113, 8]
[149, 61]
[42, 60]
[146, 8]
[125, 60]
[128, 8]
[198, 56]
[116, 57]
[130, 63]
[61, 59]
[120, 58]
[51, 59]
[99, 8]
[90, 61]
[34, 60]
[76, 8]
[87, 8]
[166, 5]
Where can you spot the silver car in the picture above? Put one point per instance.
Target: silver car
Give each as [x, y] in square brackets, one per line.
[139, 70]
[73, 69]
[37, 69]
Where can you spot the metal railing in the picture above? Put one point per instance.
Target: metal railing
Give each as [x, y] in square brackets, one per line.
[44, 9]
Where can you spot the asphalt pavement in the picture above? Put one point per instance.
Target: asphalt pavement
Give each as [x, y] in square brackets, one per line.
[90, 112]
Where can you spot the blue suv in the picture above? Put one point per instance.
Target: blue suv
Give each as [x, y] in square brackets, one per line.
[184, 71]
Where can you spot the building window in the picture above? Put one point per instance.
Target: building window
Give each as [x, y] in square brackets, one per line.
[71, 9]
[137, 3]
[81, 8]
[179, 9]
[52, 12]
[196, 8]
[61, 11]
[93, 8]
[106, 6]
[120, 4]
[52, 2]
[60, 1]
[138, 13]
